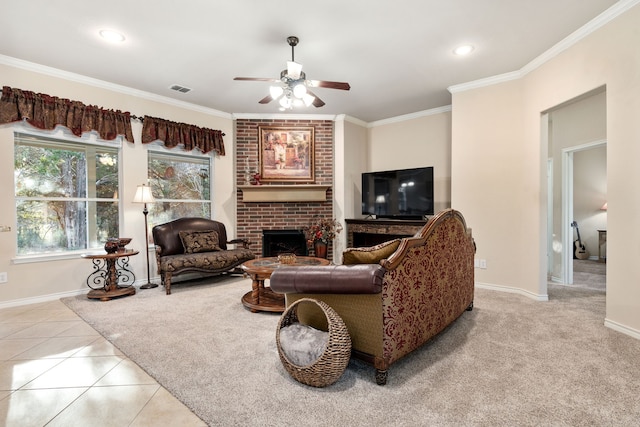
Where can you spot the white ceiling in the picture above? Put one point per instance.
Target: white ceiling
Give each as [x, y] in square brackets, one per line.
[397, 55]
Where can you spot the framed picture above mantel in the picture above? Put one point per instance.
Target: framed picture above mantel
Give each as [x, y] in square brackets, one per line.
[286, 154]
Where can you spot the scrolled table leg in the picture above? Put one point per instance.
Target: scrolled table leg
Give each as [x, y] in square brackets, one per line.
[98, 278]
[126, 277]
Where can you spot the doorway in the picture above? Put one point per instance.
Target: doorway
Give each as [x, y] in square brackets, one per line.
[589, 215]
[574, 133]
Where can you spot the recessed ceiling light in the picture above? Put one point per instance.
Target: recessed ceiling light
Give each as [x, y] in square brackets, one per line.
[463, 50]
[112, 36]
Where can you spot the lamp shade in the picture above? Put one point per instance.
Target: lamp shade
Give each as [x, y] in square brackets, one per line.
[299, 90]
[275, 92]
[308, 99]
[143, 194]
[285, 102]
[294, 69]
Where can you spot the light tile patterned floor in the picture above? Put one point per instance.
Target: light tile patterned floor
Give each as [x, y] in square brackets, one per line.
[56, 370]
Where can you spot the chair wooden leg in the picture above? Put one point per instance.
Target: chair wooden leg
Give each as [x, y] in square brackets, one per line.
[381, 376]
[167, 283]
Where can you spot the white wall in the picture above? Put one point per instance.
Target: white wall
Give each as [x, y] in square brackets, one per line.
[423, 141]
[493, 175]
[46, 280]
[350, 160]
[505, 119]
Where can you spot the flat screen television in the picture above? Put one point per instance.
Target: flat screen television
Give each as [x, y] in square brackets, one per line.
[401, 194]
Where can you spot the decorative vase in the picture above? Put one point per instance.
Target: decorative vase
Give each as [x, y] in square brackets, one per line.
[122, 242]
[111, 245]
[320, 249]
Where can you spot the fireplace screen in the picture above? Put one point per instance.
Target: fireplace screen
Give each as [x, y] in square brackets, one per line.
[276, 242]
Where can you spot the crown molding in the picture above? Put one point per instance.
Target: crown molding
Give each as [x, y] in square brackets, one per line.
[260, 116]
[489, 81]
[590, 27]
[353, 120]
[605, 17]
[411, 116]
[78, 78]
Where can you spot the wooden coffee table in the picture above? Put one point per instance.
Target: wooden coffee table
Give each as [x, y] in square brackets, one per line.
[262, 298]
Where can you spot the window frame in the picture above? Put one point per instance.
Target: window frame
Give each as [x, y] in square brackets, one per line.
[63, 136]
[158, 148]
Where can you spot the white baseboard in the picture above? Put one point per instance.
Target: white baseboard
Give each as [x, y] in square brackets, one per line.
[41, 298]
[634, 333]
[512, 290]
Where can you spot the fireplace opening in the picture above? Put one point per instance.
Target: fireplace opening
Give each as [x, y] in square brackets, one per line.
[276, 242]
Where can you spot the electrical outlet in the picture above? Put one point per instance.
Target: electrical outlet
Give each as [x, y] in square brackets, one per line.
[483, 264]
[4, 278]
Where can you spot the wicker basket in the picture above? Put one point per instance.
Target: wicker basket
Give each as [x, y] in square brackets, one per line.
[328, 368]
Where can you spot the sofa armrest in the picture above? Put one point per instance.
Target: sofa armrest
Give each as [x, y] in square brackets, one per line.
[245, 242]
[335, 279]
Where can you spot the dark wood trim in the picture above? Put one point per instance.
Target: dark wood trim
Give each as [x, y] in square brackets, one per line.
[367, 232]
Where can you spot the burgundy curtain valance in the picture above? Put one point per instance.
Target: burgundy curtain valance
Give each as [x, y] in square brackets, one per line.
[189, 136]
[45, 112]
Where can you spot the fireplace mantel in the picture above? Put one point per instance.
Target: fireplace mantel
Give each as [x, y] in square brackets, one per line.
[284, 193]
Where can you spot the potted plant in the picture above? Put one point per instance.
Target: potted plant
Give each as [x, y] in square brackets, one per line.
[320, 233]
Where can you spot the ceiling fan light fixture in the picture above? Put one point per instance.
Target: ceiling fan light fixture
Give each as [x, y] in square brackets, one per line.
[276, 92]
[293, 70]
[291, 89]
[299, 90]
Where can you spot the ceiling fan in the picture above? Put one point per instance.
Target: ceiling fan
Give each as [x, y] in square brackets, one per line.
[292, 88]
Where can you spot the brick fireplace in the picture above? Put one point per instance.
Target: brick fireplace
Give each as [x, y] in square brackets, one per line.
[276, 242]
[254, 217]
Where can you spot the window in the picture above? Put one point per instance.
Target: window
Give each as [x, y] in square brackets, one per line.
[180, 185]
[66, 194]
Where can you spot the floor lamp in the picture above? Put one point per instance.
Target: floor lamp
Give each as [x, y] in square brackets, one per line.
[144, 195]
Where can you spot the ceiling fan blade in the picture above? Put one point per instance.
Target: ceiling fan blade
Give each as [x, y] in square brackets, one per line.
[256, 79]
[330, 85]
[267, 99]
[317, 102]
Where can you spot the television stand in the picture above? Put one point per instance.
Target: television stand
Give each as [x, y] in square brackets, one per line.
[369, 232]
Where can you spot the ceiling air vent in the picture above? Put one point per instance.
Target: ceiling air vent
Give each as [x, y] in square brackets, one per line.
[178, 88]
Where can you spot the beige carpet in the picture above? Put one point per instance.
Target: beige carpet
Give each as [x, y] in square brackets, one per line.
[590, 274]
[511, 361]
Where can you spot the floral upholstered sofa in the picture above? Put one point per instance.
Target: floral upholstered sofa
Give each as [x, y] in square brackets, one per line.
[395, 296]
[196, 245]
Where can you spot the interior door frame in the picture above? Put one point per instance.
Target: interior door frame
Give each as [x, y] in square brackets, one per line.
[567, 206]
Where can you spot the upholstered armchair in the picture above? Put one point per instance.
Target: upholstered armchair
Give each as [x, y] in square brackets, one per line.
[393, 297]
